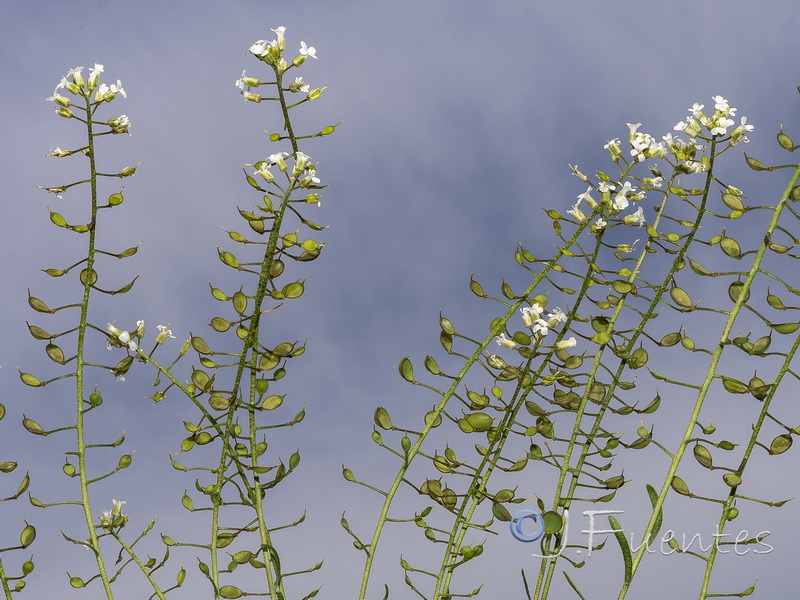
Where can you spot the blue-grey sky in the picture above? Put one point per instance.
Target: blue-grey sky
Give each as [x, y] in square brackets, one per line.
[459, 122]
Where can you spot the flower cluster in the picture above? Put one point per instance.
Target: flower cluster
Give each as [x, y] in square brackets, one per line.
[272, 54]
[303, 173]
[118, 338]
[76, 85]
[717, 124]
[611, 205]
[643, 145]
[114, 517]
[532, 318]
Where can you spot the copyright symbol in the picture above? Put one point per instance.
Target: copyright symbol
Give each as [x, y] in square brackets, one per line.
[516, 525]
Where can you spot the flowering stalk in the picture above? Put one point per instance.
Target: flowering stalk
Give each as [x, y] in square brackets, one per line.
[613, 347]
[86, 97]
[285, 180]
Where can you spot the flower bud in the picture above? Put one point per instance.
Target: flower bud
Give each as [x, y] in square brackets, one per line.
[578, 174]
[692, 128]
[502, 340]
[277, 159]
[94, 76]
[77, 78]
[300, 162]
[64, 112]
[496, 362]
[120, 124]
[128, 171]
[61, 100]
[251, 97]
[614, 149]
[280, 41]
[163, 334]
[262, 168]
[564, 344]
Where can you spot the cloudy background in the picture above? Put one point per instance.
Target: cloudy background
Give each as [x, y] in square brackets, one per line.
[459, 121]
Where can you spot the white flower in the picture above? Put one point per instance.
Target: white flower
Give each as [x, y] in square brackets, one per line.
[139, 328]
[75, 73]
[693, 166]
[101, 93]
[57, 97]
[587, 195]
[280, 42]
[577, 212]
[277, 159]
[636, 218]
[262, 168]
[116, 88]
[259, 48]
[163, 333]
[696, 110]
[740, 133]
[564, 344]
[94, 75]
[240, 83]
[614, 150]
[541, 327]
[531, 313]
[309, 178]
[620, 198]
[300, 163]
[721, 127]
[502, 340]
[299, 85]
[721, 104]
[117, 509]
[124, 337]
[606, 186]
[120, 124]
[655, 182]
[690, 127]
[578, 174]
[600, 223]
[556, 317]
[108, 92]
[307, 50]
[745, 127]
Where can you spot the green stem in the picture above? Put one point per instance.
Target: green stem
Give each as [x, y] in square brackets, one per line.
[489, 461]
[764, 408]
[80, 364]
[415, 449]
[143, 568]
[687, 436]
[4, 581]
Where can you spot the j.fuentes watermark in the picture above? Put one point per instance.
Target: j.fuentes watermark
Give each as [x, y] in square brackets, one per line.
[668, 543]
